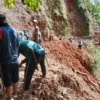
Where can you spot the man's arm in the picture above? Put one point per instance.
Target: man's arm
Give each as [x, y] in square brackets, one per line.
[22, 62]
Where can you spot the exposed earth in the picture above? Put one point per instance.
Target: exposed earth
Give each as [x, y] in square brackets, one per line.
[67, 77]
[69, 73]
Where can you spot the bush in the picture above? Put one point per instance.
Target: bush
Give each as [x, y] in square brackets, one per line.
[95, 52]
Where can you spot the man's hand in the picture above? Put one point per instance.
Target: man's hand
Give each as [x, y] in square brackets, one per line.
[20, 65]
[43, 76]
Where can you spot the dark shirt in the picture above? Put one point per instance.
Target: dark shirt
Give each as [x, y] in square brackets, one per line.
[26, 45]
[9, 43]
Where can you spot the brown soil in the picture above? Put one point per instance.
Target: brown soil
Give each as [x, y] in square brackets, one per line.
[68, 54]
[69, 75]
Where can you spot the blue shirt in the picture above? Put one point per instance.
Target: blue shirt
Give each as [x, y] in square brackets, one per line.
[80, 42]
[9, 43]
[26, 45]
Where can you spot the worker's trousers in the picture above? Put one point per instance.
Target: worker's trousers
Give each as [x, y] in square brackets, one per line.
[31, 65]
[29, 71]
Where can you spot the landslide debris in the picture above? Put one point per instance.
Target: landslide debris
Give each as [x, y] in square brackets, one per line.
[62, 81]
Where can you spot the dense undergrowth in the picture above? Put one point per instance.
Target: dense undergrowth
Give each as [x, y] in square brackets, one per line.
[95, 52]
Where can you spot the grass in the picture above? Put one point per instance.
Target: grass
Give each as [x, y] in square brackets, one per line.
[95, 52]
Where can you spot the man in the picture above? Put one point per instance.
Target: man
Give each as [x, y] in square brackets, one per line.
[80, 43]
[34, 54]
[37, 36]
[23, 34]
[9, 57]
[26, 34]
[36, 32]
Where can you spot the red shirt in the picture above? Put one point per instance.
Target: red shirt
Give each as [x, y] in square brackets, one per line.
[0, 34]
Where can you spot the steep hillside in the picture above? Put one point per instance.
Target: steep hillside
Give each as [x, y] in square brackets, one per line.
[19, 17]
[69, 72]
[61, 16]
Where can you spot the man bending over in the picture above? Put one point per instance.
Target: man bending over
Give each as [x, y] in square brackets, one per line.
[33, 54]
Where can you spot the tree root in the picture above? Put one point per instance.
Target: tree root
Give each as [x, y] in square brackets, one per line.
[95, 84]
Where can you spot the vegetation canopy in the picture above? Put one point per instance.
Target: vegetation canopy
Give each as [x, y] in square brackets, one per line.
[31, 4]
[92, 7]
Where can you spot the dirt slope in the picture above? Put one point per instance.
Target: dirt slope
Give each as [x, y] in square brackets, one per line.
[69, 75]
[61, 83]
[67, 53]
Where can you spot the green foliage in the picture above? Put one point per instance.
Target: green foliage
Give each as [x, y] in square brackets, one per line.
[94, 9]
[31, 4]
[86, 29]
[77, 3]
[95, 51]
[96, 13]
[9, 3]
[56, 13]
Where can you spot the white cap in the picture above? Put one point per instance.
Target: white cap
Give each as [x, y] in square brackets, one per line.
[35, 20]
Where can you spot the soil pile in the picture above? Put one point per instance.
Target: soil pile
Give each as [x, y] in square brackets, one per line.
[70, 55]
[61, 82]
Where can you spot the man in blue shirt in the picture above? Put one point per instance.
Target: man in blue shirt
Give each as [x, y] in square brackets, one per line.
[9, 57]
[34, 54]
[80, 43]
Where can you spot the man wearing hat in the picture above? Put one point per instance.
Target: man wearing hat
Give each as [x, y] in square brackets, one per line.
[9, 57]
[36, 32]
